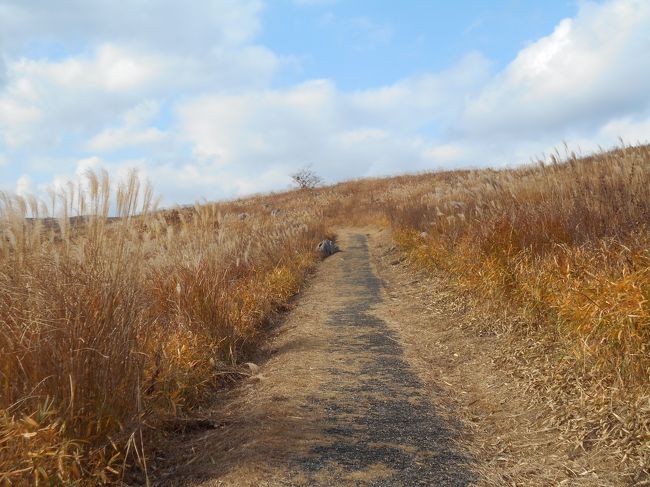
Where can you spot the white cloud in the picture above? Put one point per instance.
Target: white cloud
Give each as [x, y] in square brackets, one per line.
[342, 134]
[110, 69]
[449, 153]
[413, 102]
[14, 117]
[44, 101]
[188, 91]
[93, 163]
[172, 50]
[165, 25]
[132, 132]
[102, 77]
[591, 68]
[24, 186]
[117, 138]
[631, 129]
[566, 86]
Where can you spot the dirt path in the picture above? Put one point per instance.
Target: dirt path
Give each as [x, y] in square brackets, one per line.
[382, 375]
[337, 402]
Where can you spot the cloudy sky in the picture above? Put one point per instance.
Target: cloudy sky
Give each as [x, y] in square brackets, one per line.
[219, 98]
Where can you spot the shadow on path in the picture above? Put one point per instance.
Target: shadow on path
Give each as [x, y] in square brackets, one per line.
[382, 429]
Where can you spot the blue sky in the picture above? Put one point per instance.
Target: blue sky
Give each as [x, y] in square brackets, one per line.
[220, 98]
[366, 43]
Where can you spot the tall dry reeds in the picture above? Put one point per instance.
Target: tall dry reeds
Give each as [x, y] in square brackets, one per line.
[563, 239]
[111, 324]
[116, 317]
[565, 245]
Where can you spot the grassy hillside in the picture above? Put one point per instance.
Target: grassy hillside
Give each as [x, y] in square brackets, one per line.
[110, 328]
[111, 325]
[567, 244]
[563, 249]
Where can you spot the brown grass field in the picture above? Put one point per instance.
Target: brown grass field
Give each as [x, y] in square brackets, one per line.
[112, 329]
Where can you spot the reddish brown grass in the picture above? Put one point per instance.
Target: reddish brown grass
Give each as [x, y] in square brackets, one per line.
[564, 246]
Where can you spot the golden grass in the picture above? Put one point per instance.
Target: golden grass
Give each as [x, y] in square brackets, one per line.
[564, 246]
[566, 242]
[109, 326]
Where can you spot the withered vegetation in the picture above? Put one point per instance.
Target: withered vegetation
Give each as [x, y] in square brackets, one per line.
[116, 317]
[111, 326]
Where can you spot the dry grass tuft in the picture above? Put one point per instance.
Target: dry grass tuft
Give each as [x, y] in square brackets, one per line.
[563, 246]
[110, 326]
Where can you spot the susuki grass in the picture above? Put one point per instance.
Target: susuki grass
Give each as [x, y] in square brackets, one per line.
[565, 245]
[116, 317]
[568, 242]
[110, 325]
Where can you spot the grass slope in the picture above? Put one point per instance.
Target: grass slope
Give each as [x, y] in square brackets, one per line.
[109, 328]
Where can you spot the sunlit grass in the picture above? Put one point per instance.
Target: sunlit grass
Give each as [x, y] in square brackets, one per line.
[567, 241]
[109, 325]
[116, 317]
[564, 247]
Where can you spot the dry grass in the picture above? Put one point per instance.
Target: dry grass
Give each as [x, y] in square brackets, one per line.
[564, 247]
[558, 253]
[110, 326]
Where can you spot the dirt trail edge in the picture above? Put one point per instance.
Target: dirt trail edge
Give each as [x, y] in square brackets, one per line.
[336, 403]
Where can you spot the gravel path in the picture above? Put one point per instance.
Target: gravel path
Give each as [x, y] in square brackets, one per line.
[336, 403]
[378, 416]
